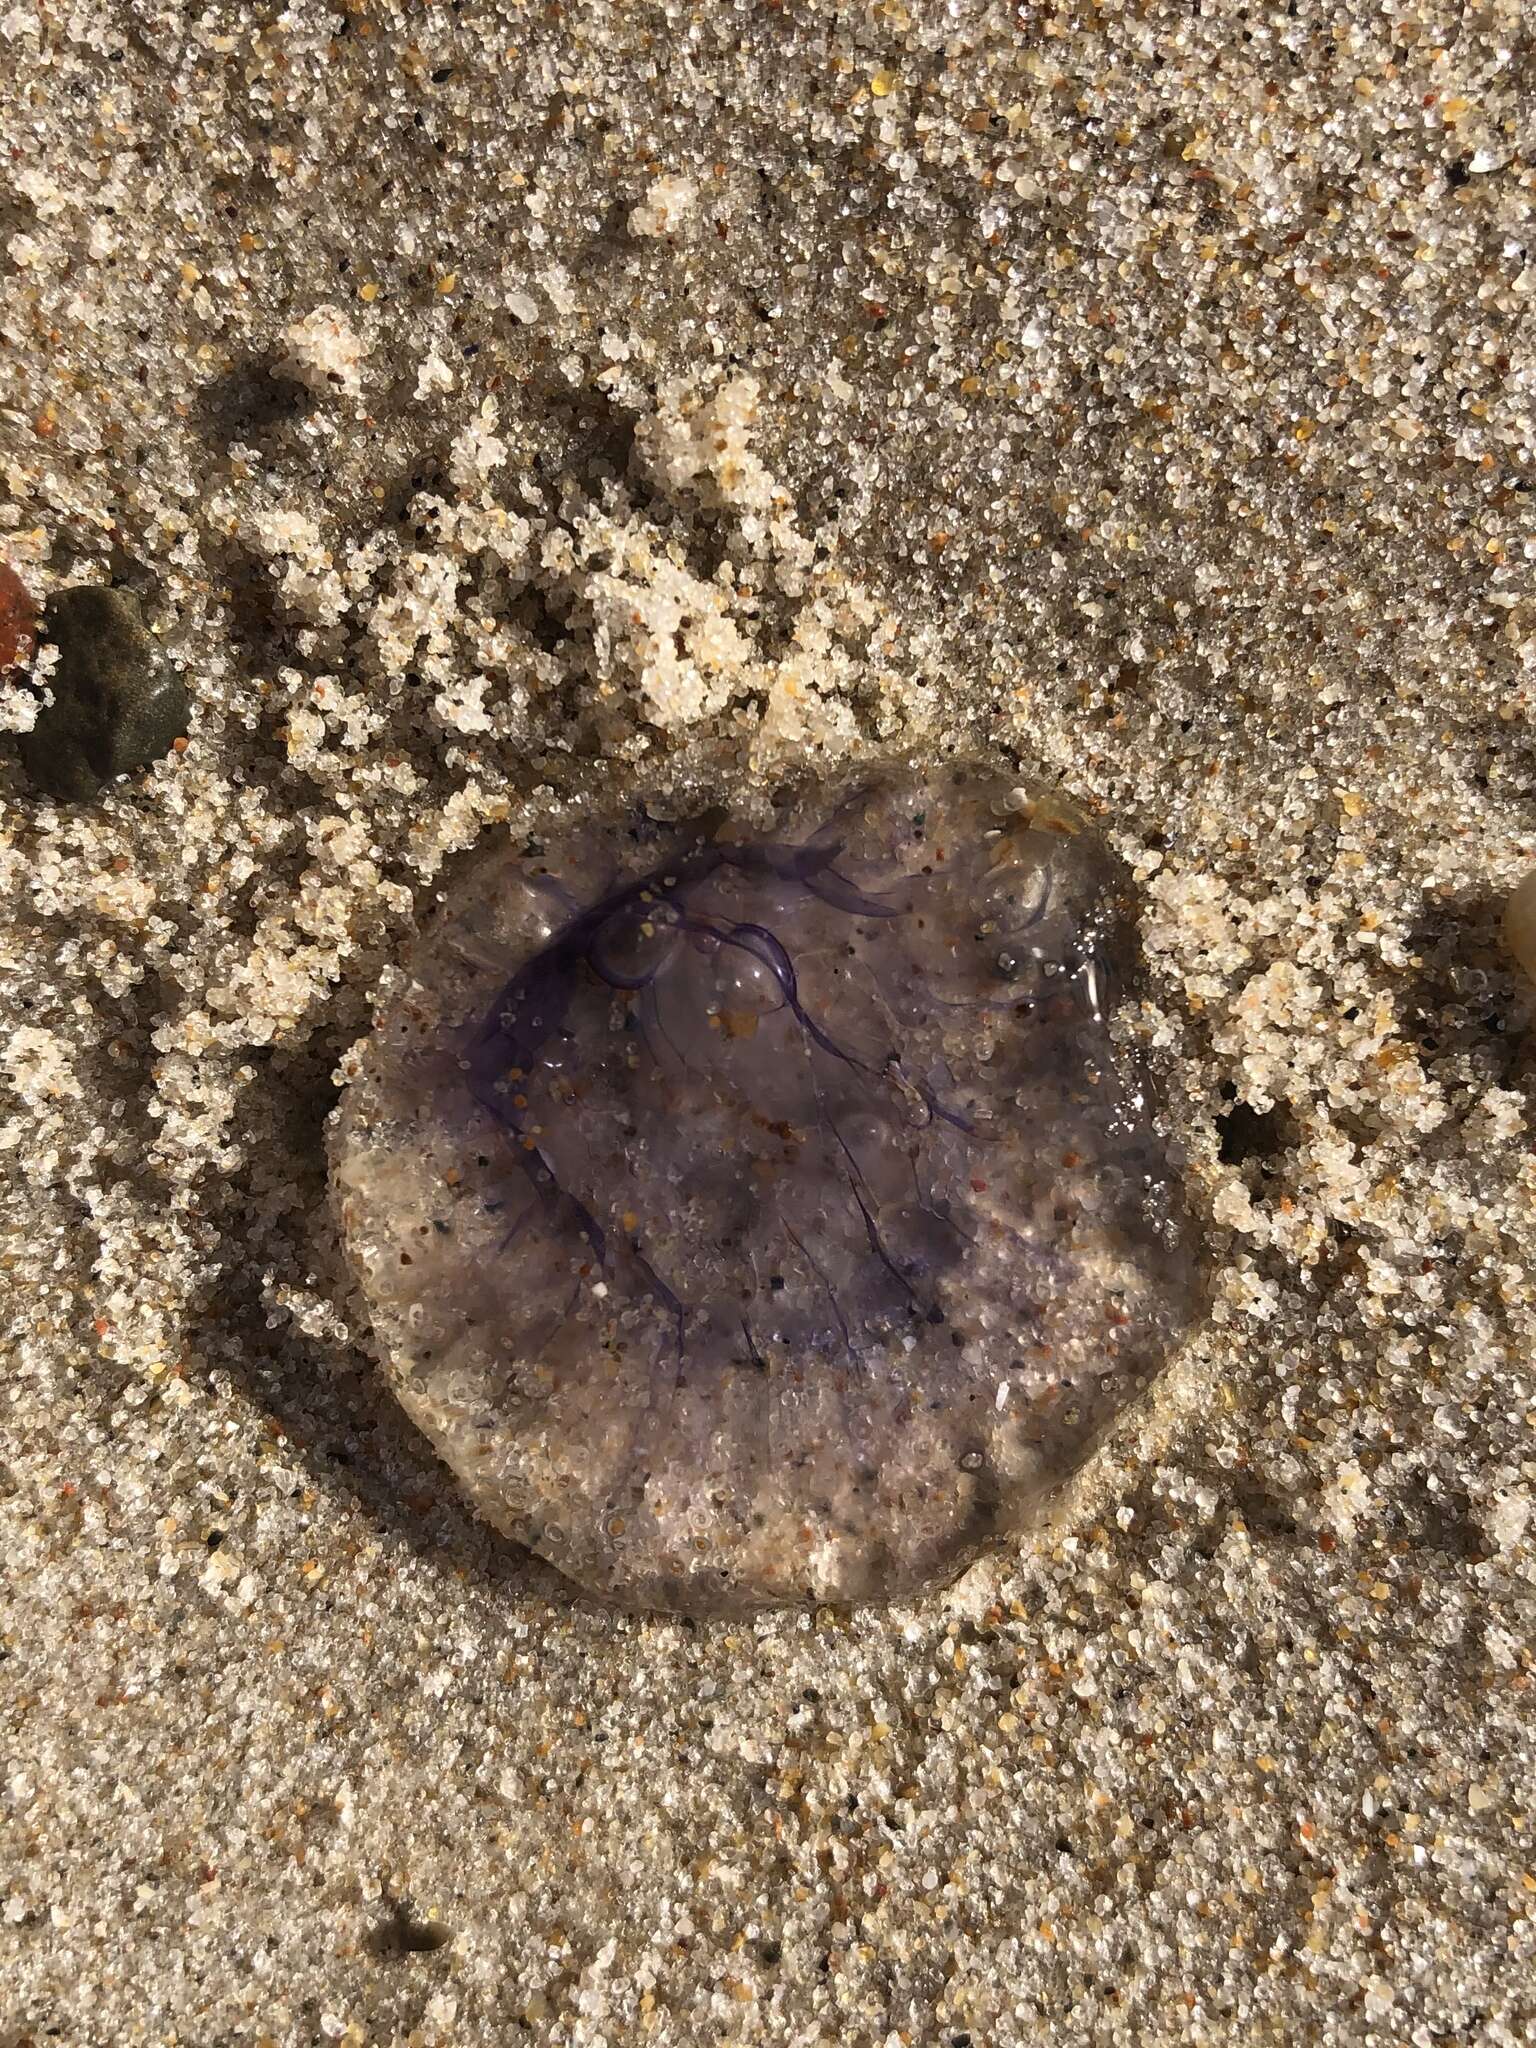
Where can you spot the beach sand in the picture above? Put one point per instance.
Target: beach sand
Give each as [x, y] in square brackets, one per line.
[505, 411]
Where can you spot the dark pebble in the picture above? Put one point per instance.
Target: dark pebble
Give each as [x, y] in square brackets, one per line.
[116, 706]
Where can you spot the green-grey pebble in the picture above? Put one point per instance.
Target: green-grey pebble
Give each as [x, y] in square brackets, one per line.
[116, 707]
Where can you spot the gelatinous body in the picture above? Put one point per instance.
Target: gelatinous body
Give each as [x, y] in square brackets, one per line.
[765, 1216]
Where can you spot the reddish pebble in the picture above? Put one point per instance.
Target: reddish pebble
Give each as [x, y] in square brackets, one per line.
[18, 619]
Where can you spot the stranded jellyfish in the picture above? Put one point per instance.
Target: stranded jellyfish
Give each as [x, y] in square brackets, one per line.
[761, 1215]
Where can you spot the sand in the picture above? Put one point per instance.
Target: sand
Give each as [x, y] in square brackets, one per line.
[507, 411]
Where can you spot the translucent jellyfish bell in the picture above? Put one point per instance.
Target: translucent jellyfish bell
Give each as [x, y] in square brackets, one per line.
[770, 1217]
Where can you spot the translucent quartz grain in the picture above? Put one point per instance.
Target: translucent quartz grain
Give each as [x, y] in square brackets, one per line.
[764, 1216]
